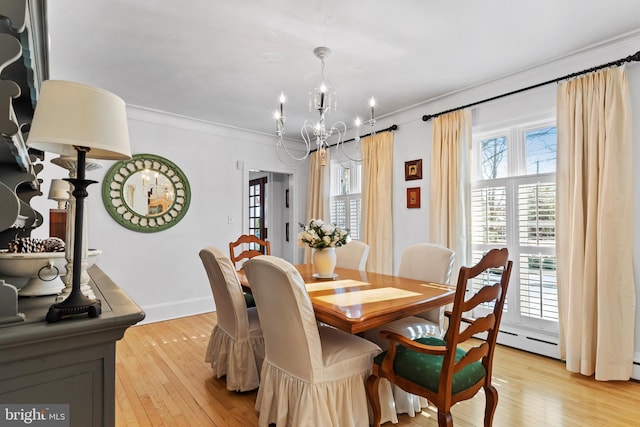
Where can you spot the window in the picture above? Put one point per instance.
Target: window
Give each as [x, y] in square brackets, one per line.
[513, 205]
[346, 198]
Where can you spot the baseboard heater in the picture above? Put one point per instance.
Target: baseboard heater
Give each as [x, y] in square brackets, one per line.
[513, 334]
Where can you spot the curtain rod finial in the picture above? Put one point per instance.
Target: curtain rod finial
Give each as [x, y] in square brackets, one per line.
[426, 117]
[635, 56]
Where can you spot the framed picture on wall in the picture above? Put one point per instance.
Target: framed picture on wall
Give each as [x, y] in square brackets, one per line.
[413, 170]
[413, 197]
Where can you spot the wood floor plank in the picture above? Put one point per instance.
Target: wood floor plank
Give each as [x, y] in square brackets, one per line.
[163, 380]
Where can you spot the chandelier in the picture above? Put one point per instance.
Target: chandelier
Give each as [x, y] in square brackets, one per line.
[323, 101]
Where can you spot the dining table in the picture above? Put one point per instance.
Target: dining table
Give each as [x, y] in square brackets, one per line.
[355, 301]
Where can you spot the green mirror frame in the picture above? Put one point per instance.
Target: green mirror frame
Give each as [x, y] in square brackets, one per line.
[147, 193]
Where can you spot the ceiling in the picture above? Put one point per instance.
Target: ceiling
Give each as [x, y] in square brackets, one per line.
[226, 62]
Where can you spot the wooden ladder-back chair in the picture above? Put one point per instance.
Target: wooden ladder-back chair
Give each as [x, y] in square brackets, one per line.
[436, 368]
[247, 243]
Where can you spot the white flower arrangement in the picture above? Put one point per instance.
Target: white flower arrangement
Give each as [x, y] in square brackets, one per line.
[320, 235]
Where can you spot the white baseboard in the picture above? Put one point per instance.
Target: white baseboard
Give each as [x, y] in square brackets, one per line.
[173, 310]
[545, 345]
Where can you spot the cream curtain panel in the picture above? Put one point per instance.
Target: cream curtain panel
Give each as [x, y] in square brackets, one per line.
[377, 200]
[450, 185]
[316, 207]
[594, 225]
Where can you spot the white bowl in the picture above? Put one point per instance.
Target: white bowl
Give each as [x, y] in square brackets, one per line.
[37, 273]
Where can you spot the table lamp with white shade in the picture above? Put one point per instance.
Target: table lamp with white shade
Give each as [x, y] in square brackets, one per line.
[88, 122]
[59, 191]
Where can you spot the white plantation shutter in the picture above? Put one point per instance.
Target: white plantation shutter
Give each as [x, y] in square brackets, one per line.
[355, 217]
[488, 229]
[489, 215]
[525, 204]
[537, 239]
[346, 199]
[537, 214]
[338, 210]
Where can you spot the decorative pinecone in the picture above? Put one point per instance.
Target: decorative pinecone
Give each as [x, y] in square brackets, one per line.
[54, 244]
[30, 245]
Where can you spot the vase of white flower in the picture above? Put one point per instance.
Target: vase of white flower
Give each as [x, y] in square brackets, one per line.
[323, 238]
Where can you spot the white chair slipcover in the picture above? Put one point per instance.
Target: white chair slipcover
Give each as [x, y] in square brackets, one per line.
[236, 346]
[312, 375]
[353, 255]
[431, 263]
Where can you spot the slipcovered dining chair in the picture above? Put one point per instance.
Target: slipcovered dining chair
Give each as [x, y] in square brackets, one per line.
[313, 375]
[353, 255]
[437, 368]
[236, 346]
[431, 263]
[249, 246]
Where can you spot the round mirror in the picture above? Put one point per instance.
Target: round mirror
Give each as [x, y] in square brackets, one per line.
[147, 193]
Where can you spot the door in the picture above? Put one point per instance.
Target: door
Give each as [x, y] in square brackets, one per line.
[257, 224]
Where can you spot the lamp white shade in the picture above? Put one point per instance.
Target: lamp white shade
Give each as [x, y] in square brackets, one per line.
[59, 190]
[71, 114]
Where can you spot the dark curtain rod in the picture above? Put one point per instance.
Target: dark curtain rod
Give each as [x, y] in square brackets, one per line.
[389, 129]
[630, 58]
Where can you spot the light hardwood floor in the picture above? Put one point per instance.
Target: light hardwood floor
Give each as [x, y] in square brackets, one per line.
[162, 380]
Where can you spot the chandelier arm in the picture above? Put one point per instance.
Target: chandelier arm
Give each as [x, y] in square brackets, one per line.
[287, 159]
[283, 147]
[340, 145]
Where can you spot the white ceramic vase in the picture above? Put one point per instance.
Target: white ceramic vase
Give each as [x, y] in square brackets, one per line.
[324, 261]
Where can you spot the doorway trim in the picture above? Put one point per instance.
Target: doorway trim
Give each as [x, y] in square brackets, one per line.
[294, 177]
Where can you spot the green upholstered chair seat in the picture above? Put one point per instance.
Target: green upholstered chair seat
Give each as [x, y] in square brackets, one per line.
[248, 299]
[424, 369]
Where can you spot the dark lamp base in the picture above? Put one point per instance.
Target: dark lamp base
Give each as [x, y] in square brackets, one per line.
[75, 304]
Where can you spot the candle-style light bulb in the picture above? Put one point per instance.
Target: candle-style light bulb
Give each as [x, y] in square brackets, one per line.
[372, 104]
[278, 117]
[358, 123]
[323, 89]
[282, 99]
